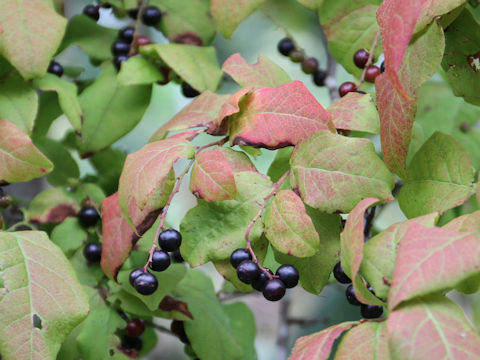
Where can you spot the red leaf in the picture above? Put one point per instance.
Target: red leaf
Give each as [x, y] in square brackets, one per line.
[276, 117]
[319, 345]
[465, 223]
[169, 304]
[53, 206]
[365, 341]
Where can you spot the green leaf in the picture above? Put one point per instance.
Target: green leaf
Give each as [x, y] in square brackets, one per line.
[242, 323]
[439, 177]
[48, 111]
[53, 205]
[280, 164]
[312, 4]
[69, 236]
[333, 173]
[88, 274]
[110, 111]
[109, 164]
[367, 339]
[228, 14]
[138, 71]
[38, 287]
[18, 102]
[21, 43]
[20, 160]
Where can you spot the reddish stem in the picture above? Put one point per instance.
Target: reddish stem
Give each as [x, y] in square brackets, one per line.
[220, 142]
[133, 48]
[370, 58]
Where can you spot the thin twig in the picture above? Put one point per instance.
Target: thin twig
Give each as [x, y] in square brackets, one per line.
[282, 334]
[330, 81]
[371, 55]
[159, 328]
[136, 27]
[215, 143]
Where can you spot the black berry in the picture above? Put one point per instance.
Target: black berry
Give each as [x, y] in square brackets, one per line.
[371, 73]
[346, 87]
[145, 284]
[360, 58]
[248, 271]
[88, 216]
[92, 12]
[350, 294]
[285, 46]
[129, 342]
[120, 48]
[340, 275]
[151, 15]
[289, 275]
[92, 252]
[382, 67]
[134, 274]
[160, 261]
[177, 256]
[135, 328]
[133, 13]
[297, 56]
[189, 91]
[117, 60]
[126, 34]
[177, 327]
[319, 77]
[238, 256]
[55, 68]
[310, 65]
[371, 311]
[259, 283]
[274, 290]
[170, 240]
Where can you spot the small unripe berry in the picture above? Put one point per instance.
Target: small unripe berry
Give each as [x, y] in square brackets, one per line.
[360, 58]
[310, 65]
[297, 56]
[346, 87]
[371, 73]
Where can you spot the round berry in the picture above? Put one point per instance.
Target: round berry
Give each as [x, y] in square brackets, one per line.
[92, 252]
[5, 201]
[120, 48]
[248, 271]
[382, 67]
[346, 87]
[126, 34]
[55, 68]
[177, 327]
[274, 290]
[92, 12]
[189, 91]
[151, 15]
[372, 72]
[134, 274]
[117, 60]
[135, 327]
[371, 311]
[170, 240]
[340, 275]
[129, 342]
[238, 256]
[88, 216]
[259, 283]
[319, 77]
[160, 261]
[145, 284]
[360, 58]
[310, 65]
[350, 294]
[133, 13]
[289, 275]
[177, 256]
[142, 40]
[285, 46]
[297, 56]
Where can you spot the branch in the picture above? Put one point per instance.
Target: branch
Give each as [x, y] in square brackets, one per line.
[371, 55]
[136, 27]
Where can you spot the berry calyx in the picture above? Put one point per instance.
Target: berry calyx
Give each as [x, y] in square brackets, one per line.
[134, 274]
[145, 284]
[126, 34]
[170, 240]
[151, 15]
[92, 252]
[248, 271]
[142, 40]
[350, 294]
[371, 73]
[88, 216]
[360, 58]
[274, 290]
[92, 12]
[129, 342]
[177, 327]
[259, 283]
[120, 48]
[297, 56]
[319, 77]
[288, 274]
[371, 311]
[135, 328]
[310, 65]
[382, 67]
[238, 256]
[346, 87]
[340, 275]
[188, 91]
[285, 46]
[160, 261]
[117, 61]
[55, 68]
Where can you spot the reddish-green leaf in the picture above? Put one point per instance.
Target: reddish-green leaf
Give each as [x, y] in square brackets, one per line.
[432, 259]
[41, 300]
[432, 9]
[30, 34]
[139, 71]
[432, 328]
[465, 223]
[277, 117]
[333, 173]
[264, 73]
[228, 14]
[319, 345]
[20, 160]
[53, 206]
[289, 228]
[311, 4]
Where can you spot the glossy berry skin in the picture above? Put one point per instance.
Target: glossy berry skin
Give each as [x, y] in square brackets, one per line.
[145, 284]
[120, 48]
[92, 12]
[134, 274]
[310, 65]
[371, 311]
[360, 58]
[188, 91]
[288, 274]
[151, 15]
[274, 290]
[248, 271]
[238, 256]
[129, 342]
[259, 283]
[340, 275]
[55, 68]
[351, 298]
[117, 61]
[382, 67]
[297, 56]
[126, 34]
[285, 46]
[142, 40]
[346, 87]
[135, 328]
[92, 252]
[372, 72]
[177, 327]
[88, 216]
[170, 240]
[319, 77]
[177, 257]
[160, 261]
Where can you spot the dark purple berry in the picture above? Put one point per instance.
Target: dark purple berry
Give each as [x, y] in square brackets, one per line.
[350, 294]
[145, 284]
[160, 261]
[120, 48]
[289, 275]
[170, 240]
[133, 13]
[177, 327]
[371, 311]
[55, 68]
[92, 12]
[151, 15]
[248, 271]
[117, 60]
[274, 290]
[382, 67]
[340, 275]
[238, 256]
[285, 46]
[129, 342]
[92, 252]
[319, 77]
[134, 274]
[310, 65]
[188, 91]
[135, 328]
[126, 34]
[360, 58]
[88, 216]
[260, 282]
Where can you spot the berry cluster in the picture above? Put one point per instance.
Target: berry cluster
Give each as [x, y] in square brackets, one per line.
[272, 286]
[143, 281]
[88, 217]
[367, 311]
[309, 65]
[132, 342]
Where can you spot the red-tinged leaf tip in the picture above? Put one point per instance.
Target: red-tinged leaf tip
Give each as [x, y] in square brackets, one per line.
[369, 340]
[319, 345]
[53, 206]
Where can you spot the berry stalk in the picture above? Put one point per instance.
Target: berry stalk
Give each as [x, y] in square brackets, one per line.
[371, 52]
